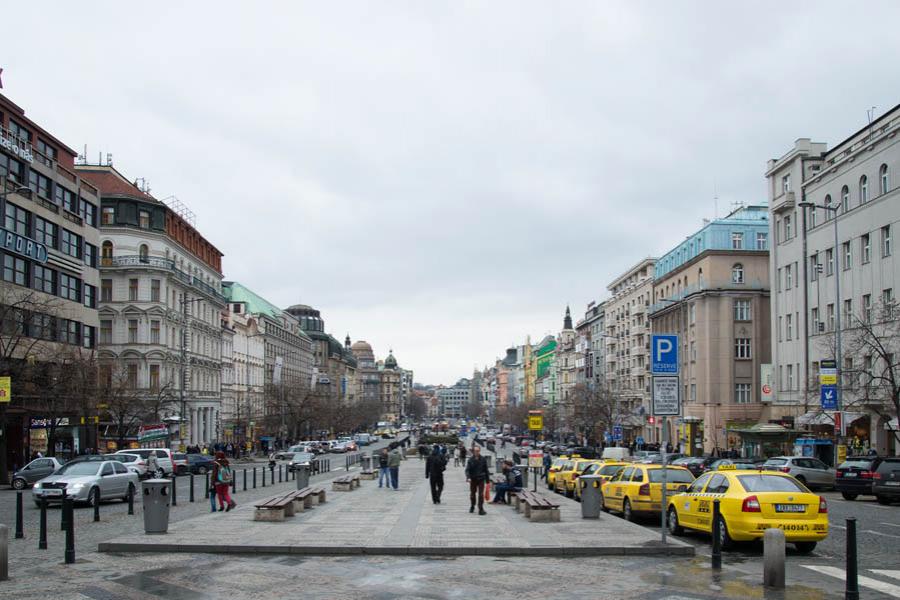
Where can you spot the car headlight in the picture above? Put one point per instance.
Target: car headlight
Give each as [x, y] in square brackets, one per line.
[38, 485]
[76, 486]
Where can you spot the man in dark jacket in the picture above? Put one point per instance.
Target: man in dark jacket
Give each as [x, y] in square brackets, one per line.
[513, 483]
[434, 471]
[477, 475]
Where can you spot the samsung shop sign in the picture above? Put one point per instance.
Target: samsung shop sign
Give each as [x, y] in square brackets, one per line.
[16, 147]
[13, 242]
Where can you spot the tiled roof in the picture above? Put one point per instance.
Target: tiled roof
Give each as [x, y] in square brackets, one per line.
[111, 182]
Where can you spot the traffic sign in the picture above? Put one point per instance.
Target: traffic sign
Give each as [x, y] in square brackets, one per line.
[639, 440]
[828, 397]
[666, 399]
[535, 421]
[664, 359]
[617, 433]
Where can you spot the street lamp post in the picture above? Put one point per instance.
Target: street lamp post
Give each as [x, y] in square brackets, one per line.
[184, 329]
[839, 396]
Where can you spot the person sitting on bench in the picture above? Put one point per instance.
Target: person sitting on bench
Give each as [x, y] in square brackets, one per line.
[513, 482]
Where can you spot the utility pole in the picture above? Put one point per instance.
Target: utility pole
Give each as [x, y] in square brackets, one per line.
[184, 324]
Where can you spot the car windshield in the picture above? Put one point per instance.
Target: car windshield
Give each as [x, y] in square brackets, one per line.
[302, 457]
[672, 476]
[610, 469]
[79, 468]
[769, 483]
[856, 464]
[776, 461]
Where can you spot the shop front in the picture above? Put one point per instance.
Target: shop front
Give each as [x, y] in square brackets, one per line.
[766, 440]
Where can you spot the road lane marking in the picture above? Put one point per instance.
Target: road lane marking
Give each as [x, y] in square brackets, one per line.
[882, 534]
[891, 524]
[887, 573]
[837, 526]
[880, 586]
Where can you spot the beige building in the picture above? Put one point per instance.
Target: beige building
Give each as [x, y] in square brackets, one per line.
[627, 344]
[713, 291]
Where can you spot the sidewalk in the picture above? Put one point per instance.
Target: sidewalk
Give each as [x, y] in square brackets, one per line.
[375, 521]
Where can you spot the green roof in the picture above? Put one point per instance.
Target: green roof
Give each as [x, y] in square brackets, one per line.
[256, 304]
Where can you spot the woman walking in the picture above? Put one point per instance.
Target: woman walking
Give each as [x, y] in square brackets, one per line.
[222, 476]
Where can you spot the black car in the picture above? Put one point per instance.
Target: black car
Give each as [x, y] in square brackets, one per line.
[887, 480]
[697, 464]
[200, 464]
[856, 476]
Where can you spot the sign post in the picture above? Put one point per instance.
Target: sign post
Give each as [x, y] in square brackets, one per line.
[828, 385]
[666, 401]
[536, 463]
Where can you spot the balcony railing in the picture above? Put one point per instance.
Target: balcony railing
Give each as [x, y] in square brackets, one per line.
[161, 263]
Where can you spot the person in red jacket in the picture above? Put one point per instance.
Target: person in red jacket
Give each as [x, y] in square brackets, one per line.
[222, 476]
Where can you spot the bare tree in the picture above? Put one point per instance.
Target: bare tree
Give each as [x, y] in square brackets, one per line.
[594, 409]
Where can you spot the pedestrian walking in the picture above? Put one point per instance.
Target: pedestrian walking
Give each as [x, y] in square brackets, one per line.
[394, 459]
[434, 472]
[384, 472]
[547, 463]
[212, 493]
[222, 475]
[477, 475]
[152, 464]
[462, 453]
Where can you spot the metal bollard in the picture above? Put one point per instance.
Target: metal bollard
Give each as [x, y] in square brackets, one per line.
[233, 483]
[851, 590]
[279, 472]
[773, 558]
[174, 491]
[346, 463]
[68, 507]
[20, 530]
[97, 510]
[263, 476]
[206, 488]
[191, 494]
[62, 513]
[4, 552]
[42, 535]
[245, 480]
[716, 537]
[130, 500]
[254, 478]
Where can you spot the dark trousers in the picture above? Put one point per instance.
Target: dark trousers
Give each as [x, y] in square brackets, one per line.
[437, 486]
[501, 489]
[395, 476]
[476, 490]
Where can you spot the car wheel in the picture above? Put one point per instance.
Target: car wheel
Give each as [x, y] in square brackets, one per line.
[883, 500]
[627, 514]
[202, 470]
[130, 492]
[19, 484]
[805, 547]
[93, 497]
[603, 504]
[849, 496]
[725, 540]
[674, 527]
[570, 493]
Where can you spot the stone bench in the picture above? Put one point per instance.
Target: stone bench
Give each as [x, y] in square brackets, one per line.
[274, 509]
[536, 508]
[370, 475]
[345, 484]
[307, 498]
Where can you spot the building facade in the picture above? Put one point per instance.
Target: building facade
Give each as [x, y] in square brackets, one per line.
[712, 290]
[454, 399]
[49, 287]
[243, 397]
[852, 194]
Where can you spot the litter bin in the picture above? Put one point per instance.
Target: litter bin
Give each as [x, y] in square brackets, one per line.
[499, 465]
[302, 471]
[156, 500]
[590, 496]
[524, 471]
[366, 462]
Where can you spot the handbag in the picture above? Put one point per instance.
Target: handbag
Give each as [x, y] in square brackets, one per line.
[487, 490]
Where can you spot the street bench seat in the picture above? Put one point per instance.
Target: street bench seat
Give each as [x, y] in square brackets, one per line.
[345, 484]
[536, 507]
[307, 497]
[274, 509]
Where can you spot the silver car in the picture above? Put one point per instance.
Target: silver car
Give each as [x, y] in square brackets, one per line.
[90, 482]
[34, 471]
[811, 472]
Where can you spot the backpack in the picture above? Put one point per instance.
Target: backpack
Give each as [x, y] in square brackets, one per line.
[225, 475]
[517, 475]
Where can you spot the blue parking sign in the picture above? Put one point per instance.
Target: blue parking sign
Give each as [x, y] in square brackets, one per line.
[828, 397]
[617, 433]
[664, 354]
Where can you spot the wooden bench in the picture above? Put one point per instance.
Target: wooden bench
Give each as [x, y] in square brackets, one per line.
[536, 508]
[274, 509]
[306, 498]
[345, 484]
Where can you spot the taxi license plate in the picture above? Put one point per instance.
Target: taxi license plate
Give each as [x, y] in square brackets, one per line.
[790, 508]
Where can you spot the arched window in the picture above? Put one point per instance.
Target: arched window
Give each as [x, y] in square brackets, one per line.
[845, 199]
[883, 177]
[737, 273]
[144, 253]
[863, 189]
[106, 253]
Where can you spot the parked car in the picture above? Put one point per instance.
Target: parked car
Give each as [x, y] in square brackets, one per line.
[200, 464]
[132, 462]
[87, 481]
[300, 458]
[811, 472]
[887, 480]
[180, 462]
[34, 471]
[696, 464]
[856, 476]
[163, 459]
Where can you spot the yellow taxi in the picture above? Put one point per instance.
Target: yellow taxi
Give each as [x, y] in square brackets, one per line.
[554, 468]
[568, 473]
[751, 501]
[637, 489]
[603, 469]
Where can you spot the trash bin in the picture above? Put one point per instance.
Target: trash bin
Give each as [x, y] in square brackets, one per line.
[302, 471]
[524, 471]
[590, 496]
[499, 465]
[156, 495]
[366, 462]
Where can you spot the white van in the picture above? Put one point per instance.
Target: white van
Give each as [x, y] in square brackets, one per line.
[617, 454]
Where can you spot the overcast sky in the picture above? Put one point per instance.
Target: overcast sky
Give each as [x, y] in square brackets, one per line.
[442, 178]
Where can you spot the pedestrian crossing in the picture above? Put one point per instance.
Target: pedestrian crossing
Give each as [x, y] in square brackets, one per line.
[879, 585]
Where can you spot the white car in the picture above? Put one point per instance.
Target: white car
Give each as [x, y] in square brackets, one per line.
[164, 464]
[132, 462]
[87, 481]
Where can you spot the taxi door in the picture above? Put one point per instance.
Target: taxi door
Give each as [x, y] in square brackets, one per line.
[689, 504]
[616, 489]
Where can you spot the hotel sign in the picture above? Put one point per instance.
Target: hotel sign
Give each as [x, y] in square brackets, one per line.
[19, 148]
[13, 242]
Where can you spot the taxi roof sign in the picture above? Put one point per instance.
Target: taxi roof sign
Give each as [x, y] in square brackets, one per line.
[729, 467]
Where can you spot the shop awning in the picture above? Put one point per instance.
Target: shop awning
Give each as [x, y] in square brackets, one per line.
[770, 432]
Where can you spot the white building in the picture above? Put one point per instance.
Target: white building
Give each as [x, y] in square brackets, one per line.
[858, 177]
[243, 397]
[160, 305]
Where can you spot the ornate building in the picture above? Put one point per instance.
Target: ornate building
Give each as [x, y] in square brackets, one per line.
[334, 363]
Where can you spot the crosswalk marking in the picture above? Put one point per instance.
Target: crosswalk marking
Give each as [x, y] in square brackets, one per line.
[887, 573]
[874, 584]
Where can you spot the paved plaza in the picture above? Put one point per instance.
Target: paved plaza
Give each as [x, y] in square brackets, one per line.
[373, 520]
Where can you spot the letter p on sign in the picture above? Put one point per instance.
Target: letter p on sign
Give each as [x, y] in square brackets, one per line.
[665, 355]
